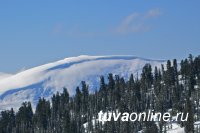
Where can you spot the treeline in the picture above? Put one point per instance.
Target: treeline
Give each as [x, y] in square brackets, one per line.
[171, 88]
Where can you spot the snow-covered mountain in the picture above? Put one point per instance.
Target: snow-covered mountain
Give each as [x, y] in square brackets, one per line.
[43, 81]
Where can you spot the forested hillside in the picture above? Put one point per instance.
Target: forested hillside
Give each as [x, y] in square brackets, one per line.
[173, 88]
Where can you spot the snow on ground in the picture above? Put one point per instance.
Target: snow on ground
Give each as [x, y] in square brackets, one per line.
[175, 129]
[43, 81]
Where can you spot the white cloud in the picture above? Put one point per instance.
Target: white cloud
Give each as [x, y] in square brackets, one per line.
[57, 29]
[22, 69]
[4, 75]
[133, 23]
[73, 31]
[136, 22]
[153, 13]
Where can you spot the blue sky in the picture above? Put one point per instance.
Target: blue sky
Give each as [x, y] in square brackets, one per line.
[37, 32]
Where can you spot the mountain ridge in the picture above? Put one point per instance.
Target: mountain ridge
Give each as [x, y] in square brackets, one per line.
[45, 80]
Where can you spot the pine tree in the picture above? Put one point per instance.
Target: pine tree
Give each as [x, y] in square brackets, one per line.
[24, 118]
[189, 124]
[150, 127]
[42, 115]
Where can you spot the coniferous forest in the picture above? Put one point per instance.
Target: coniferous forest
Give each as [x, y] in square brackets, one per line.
[173, 87]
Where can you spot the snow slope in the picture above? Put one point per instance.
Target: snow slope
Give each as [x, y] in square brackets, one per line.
[43, 81]
[4, 75]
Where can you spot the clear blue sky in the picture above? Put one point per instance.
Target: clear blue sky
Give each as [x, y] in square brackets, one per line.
[36, 32]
